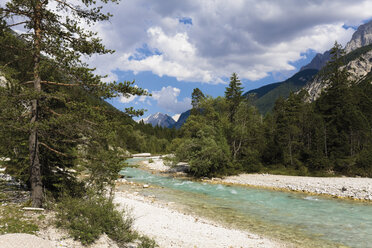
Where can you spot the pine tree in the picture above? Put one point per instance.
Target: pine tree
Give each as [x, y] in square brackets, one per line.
[233, 94]
[56, 40]
[196, 97]
[337, 107]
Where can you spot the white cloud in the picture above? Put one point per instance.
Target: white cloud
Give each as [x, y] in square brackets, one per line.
[167, 98]
[252, 37]
[128, 99]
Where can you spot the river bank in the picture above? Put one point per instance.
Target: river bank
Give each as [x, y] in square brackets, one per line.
[338, 187]
[171, 228]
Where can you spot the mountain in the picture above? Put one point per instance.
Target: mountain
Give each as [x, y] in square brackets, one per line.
[359, 65]
[362, 37]
[319, 61]
[159, 119]
[182, 119]
[259, 92]
[264, 98]
[358, 61]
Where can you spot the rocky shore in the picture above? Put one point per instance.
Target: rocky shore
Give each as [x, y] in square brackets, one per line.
[341, 187]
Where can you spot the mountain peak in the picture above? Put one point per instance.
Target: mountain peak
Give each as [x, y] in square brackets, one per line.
[318, 62]
[159, 119]
[361, 37]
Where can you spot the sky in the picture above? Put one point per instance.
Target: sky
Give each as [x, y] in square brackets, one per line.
[171, 47]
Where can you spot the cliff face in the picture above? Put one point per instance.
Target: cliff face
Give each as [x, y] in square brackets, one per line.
[359, 64]
[358, 69]
[362, 37]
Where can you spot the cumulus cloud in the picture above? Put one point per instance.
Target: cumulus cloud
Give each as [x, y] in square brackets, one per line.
[252, 37]
[128, 99]
[167, 98]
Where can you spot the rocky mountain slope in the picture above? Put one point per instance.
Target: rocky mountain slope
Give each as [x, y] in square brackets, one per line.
[358, 60]
[362, 37]
[358, 63]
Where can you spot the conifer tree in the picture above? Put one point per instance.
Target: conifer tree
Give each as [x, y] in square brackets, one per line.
[337, 107]
[233, 94]
[56, 40]
[196, 97]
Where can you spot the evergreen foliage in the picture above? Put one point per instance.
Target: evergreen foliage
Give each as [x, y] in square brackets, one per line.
[55, 123]
[330, 136]
[196, 97]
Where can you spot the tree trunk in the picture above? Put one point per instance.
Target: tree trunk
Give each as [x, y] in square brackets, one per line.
[325, 141]
[290, 151]
[35, 170]
[236, 149]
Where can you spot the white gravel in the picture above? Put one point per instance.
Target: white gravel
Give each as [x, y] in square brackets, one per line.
[171, 228]
[356, 188]
[23, 240]
[156, 164]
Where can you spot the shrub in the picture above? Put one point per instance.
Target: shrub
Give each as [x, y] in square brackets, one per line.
[146, 242]
[87, 218]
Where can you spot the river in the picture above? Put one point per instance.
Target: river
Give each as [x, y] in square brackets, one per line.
[303, 220]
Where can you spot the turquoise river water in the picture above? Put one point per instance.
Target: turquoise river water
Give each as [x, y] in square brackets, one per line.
[305, 221]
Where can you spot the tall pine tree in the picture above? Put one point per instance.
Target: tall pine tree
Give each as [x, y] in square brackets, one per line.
[56, 39]
[233, 94]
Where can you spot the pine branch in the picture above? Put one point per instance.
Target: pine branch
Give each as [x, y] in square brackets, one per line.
[16, 24]
[52, 83]
[53, 150]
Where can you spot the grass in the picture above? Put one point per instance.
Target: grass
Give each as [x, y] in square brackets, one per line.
[14, 220]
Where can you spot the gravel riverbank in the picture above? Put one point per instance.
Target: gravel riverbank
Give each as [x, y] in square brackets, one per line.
[343, 187]
[171, 228]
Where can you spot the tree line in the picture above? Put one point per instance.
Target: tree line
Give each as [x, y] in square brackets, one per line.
[330, 136]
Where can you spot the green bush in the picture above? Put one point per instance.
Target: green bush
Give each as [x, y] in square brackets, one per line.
[364, 163]
[86, 219]
[146, 242]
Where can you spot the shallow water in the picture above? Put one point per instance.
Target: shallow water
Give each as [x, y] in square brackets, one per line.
[306, 221]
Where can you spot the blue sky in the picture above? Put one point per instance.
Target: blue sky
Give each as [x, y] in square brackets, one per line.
[171, 47]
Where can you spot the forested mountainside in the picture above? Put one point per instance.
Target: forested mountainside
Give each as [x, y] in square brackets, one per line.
[264, 98]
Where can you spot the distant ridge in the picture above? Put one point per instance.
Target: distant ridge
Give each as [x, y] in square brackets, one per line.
[264, 97]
